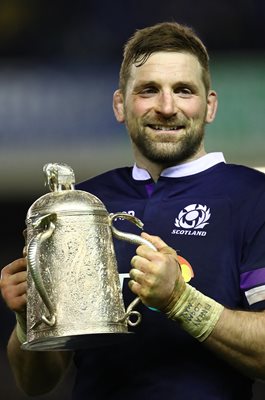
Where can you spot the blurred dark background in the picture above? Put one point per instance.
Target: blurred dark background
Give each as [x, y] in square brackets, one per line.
[59, 64]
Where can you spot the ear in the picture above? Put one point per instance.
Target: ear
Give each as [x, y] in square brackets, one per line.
[212, 104]
[118, 106]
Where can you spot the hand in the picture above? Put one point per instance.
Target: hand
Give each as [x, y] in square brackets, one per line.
[156, 275]
[13, 285]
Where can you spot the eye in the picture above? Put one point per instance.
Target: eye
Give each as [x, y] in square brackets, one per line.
[183, 91]
[148, 91]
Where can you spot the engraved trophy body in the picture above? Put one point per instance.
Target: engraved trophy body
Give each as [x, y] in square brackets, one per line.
[74, 294]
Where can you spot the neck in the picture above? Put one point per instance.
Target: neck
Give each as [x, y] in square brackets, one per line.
[155, 169]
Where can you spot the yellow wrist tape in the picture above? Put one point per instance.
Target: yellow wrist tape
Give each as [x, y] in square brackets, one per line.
[21, 328]
[196, 313]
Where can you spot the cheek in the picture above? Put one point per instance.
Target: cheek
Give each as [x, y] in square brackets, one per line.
[138, 107]
[194, 109]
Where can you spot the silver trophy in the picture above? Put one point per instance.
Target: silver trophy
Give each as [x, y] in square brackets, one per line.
[74, 293]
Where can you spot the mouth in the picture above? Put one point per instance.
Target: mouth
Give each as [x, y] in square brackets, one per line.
[166, 128]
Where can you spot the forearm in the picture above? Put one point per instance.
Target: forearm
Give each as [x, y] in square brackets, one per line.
[36, 372]
[236, 336]
[239, 338]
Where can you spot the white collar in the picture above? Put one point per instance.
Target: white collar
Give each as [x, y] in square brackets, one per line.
[178, 171]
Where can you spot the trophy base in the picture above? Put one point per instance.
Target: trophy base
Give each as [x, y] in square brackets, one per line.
[75, 342]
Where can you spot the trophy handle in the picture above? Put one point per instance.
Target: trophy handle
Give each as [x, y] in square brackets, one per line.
[135, 239]
[46, 223]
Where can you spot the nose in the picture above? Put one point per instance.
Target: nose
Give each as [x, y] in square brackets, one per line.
[166, 104]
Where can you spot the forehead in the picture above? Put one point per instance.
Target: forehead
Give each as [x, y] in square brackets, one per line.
[168, 66]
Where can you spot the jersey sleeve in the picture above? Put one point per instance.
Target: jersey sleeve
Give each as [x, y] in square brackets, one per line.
[252, 273]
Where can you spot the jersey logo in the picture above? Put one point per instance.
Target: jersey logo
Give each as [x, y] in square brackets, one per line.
[186, 269]
[194, 216]
[191, 219]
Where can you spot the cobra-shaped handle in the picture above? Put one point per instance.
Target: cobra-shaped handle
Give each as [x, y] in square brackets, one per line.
[46, 223]
[135, 239]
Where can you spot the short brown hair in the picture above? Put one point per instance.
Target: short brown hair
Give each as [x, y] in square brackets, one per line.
[164, 36]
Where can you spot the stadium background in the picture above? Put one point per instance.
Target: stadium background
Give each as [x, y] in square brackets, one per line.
[59, 64]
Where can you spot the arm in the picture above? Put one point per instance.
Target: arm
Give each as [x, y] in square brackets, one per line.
[35, 372]
[236, 336]
[239, 338]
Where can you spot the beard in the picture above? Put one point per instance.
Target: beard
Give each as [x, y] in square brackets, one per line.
[172, 148]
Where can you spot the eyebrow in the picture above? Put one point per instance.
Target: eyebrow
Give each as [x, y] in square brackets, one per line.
[145, 83]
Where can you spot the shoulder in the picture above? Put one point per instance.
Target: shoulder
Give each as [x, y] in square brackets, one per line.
[243, 176]
[245, 187]
[106, 181]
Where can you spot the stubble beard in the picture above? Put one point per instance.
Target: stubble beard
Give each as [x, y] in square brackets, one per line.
[169, 149]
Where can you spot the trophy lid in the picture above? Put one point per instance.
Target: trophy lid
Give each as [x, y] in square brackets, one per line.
[63, 197]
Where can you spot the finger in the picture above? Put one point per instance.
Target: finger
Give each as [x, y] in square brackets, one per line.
[25, 251]
[18, 304]
[134, 287]
[139, 262]
[155, 240]
[11, 289]
[18, 278]
[21, 289]
[136, 275]
[134, 261]
[161, 246]
[14, 267]
[15, 296]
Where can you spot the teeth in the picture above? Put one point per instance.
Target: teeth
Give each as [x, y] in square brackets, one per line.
[165, 128]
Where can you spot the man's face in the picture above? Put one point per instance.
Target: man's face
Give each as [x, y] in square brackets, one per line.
[165, 108]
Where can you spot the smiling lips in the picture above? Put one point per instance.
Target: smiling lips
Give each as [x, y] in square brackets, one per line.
[166, 128]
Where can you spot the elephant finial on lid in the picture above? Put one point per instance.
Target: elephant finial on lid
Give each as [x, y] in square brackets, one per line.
[59, 176]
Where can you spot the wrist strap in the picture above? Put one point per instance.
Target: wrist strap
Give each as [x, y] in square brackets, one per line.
[196, 313]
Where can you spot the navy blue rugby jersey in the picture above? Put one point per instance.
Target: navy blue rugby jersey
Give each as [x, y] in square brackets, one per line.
[212, 213]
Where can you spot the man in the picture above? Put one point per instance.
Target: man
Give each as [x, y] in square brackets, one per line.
[202, 335]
